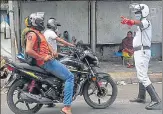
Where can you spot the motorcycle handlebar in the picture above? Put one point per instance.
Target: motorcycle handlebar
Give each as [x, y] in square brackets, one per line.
[75, 49]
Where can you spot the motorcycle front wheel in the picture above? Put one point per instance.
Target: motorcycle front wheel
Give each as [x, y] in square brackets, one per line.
[14, 93]
[97, 99]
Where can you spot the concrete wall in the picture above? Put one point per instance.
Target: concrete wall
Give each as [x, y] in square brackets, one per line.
[106, 52]
[109, 28]
[156, 51]
[73, 15]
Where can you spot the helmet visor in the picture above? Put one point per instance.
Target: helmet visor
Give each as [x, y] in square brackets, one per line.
[135, 7]
[41, 14]
[58, 24]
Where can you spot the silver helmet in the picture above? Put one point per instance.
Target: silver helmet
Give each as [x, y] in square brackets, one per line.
[36, 20]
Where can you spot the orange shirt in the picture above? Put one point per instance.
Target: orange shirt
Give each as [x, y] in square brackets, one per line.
[44, 50]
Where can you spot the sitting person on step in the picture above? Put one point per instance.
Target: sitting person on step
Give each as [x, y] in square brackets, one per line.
[127, 50]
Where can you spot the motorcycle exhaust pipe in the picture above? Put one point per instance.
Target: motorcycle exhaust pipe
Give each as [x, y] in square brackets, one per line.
[31, 98]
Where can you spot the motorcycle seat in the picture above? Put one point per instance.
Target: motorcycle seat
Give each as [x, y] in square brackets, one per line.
[31, 68]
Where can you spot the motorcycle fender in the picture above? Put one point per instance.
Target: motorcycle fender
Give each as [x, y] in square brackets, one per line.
[103, 75]
[100, 75]
[15, 80]
[11, 81]
[82, 87]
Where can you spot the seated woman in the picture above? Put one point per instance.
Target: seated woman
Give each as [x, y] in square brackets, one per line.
[127, 50]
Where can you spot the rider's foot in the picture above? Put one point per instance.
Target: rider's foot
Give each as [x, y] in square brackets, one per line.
[66, 110]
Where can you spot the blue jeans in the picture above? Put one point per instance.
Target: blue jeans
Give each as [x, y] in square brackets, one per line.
[59, 70]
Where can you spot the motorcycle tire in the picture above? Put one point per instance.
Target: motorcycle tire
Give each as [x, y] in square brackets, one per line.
[108, 103]
[11, 104]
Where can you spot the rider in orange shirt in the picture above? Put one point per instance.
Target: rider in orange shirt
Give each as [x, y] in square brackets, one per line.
[44, 55]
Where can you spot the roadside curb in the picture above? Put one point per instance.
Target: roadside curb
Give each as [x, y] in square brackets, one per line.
[123, 78]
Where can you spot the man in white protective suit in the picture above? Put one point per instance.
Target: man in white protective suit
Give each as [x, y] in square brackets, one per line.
[142, 54]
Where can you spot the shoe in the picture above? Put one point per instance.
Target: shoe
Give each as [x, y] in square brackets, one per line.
[141, 96]
[138, 100]
[130, 65]
[155, 103]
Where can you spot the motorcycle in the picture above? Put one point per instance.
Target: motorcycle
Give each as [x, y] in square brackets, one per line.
[35, 86]
[6, 75]
[3, 69]
[9, 77]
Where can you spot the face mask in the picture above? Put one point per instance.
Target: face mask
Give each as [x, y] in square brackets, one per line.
[57, 32]
[138, 16]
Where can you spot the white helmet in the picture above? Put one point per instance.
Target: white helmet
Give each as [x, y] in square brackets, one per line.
[140, 8]
[36, 20]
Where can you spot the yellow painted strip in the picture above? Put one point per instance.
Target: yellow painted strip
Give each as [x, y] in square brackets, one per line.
[31, 74]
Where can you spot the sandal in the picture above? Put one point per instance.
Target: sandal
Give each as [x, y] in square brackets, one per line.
[66, 111]
[130, 66]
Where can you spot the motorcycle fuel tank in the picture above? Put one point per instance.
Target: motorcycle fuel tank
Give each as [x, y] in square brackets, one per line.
[68, 61]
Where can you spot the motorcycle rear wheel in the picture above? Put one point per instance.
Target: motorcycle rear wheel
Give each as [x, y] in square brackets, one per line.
[12, 105]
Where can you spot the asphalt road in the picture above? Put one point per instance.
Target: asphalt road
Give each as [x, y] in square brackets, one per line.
[120, 106]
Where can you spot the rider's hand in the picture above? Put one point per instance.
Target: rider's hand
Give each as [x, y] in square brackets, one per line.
[127, 21]
[55, 54]
[124, 20]
[48, 57]
[62, 45]
[72, 45]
